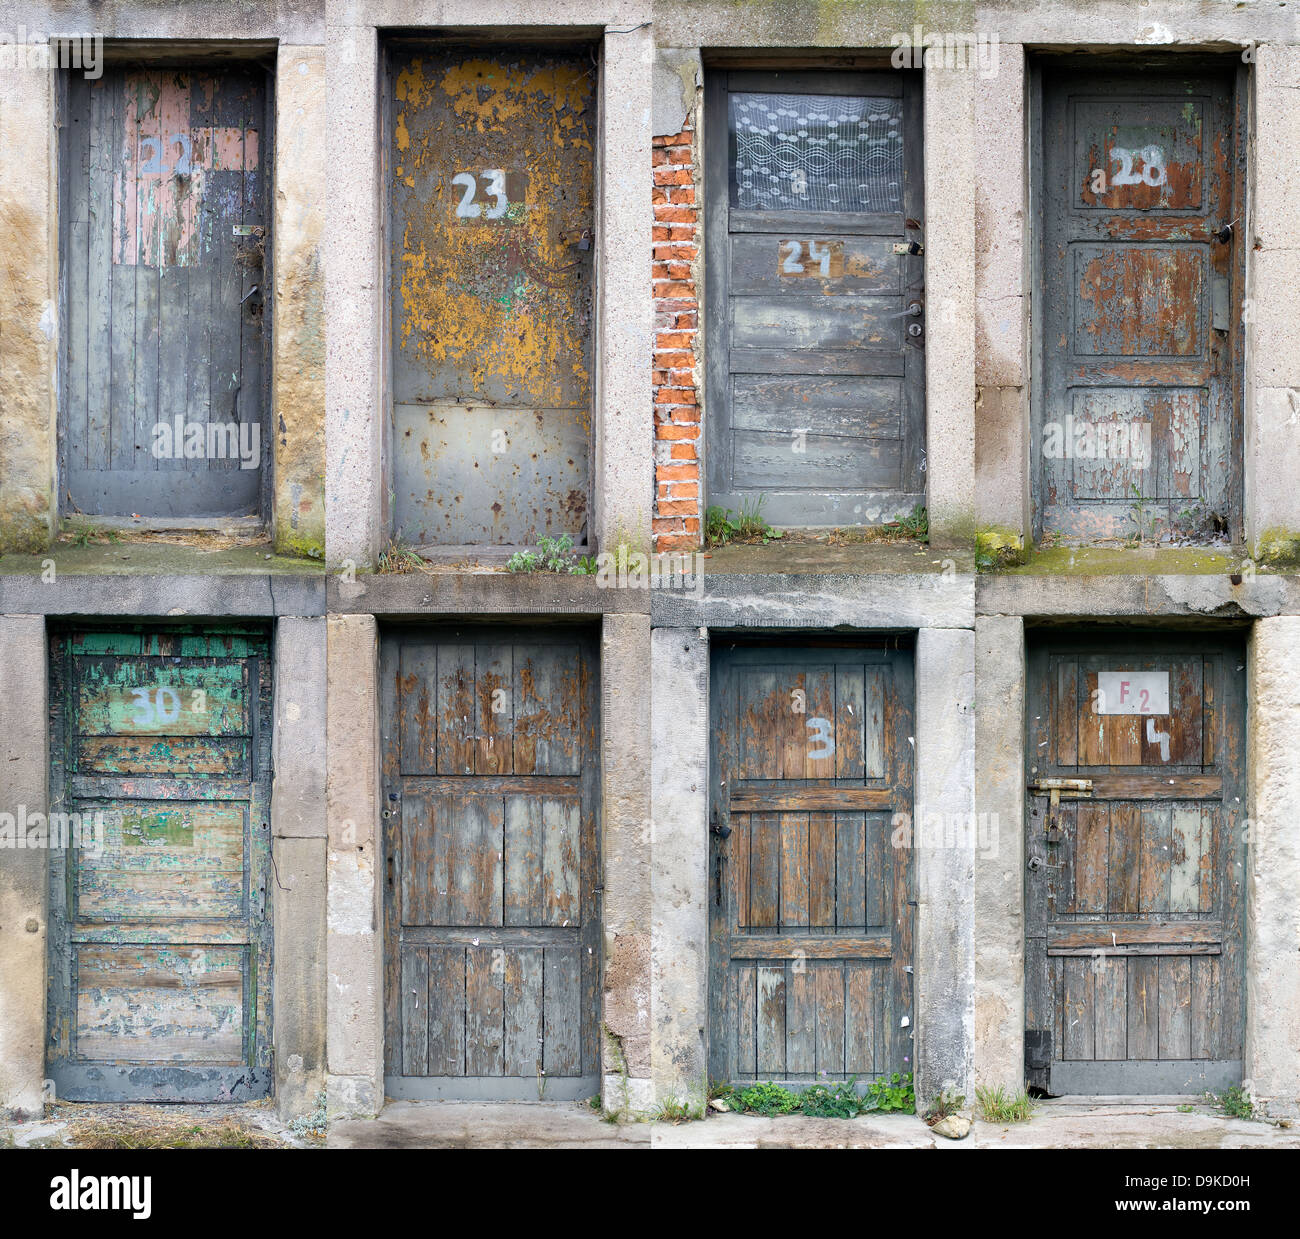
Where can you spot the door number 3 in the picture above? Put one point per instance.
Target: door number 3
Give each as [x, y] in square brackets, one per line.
[823, 743]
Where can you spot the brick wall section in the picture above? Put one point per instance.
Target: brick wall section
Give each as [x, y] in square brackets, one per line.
[676, 375]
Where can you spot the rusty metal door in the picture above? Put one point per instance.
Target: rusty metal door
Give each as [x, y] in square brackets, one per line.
[163, 237]
[816, 304]
[160, 957]
[810, 903]
[490, 184]
[1138, 427]
[491, 913]
[1135, 889]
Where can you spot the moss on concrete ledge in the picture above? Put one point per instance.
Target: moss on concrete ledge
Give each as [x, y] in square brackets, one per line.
[1278, 548]
[998, 548]
[1138, 561]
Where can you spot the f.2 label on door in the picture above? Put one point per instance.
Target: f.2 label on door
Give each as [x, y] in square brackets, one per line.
[1132, 692]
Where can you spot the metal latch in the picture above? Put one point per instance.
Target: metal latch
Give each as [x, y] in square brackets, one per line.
[1055, 789]
[909, 247]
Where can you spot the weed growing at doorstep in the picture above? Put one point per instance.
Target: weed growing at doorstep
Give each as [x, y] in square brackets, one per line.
[553, 555]
[721, 525]
[1234, 1102]
[996, 1105]
[889, 1094]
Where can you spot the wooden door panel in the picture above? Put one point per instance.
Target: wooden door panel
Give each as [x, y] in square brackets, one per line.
[811, 925]
[491, 940]
[160, 937]
[1135, 892]
[1138, 420]
[163, 239]
[816, 363]
[490, 178]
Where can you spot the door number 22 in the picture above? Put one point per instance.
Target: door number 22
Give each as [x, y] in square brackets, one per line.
[494, 183]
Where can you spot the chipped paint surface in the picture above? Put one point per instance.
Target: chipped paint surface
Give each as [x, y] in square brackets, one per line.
[491, 185]
[160, 935]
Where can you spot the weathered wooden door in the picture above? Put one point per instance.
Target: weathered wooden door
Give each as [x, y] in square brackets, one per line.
[1138, 430]
[490, 184]
[164, 232]
[816, 309]
[809, 899]
[160, 955]
[491, 919]
[1136, 878]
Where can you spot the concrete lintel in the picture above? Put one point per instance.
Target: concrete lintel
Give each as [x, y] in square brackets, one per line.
[164, 597]
[888, 601]
[354, 938]
[195, 20]
[1197, 598]
[679, 832]
[1271, 1059]
[486, 593]
[625, 655]
[999, 925]
[943, 1016]
[509, 15]
[24, 873]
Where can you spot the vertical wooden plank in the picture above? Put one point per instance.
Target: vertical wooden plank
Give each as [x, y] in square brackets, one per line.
[561, 1050]
[746, 1015]
[741, 835]
[794, 870]
[547, 696]
[93, 452]
[1205, 1006]
[880, 859]
[1175, 1038]
[416, 685]
[560, 859]
[446, 1011]
[764, 869]
[122, 397]
[1143, 1007]
[1154, 880]
[1124, 858]
[800, 1019]
[493, 712]
[1110, 1003]
[484, 1011]
[874, 745]
[860, 1020]
[819, 739]
[455, 709]
[795, 736]
[759, 722]
[146, 367]
[522, 986]
[771, 1021]
[524, 835]
[173, 350]
[829, 977]
[1206, 877]
[850, 871]
[224, 199]
[849, 720]
[1185, 858]
[821, 870]
[1066, 710]
[1077, 1010]
[415, 1011]
[1092, 848]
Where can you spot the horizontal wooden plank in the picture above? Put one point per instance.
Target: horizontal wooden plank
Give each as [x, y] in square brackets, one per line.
[1148, 948]
[803, 262]
[493, 785]
[815, 361]
[867, 323]
[838, 222]
[805, 946]
[851, 406]
[491, 935]
[1157, 787]
[1110, 934]
[812, 799]
[822, 462]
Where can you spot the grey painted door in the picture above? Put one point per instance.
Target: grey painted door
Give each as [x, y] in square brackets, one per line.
[491, 193]
[816, 321]
[810, 902]
[491, 913]
[1138, 432]
[160, 936]
[164, 233]
[1135, 886]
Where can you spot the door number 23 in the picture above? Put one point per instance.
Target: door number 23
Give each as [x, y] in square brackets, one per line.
[494, 183]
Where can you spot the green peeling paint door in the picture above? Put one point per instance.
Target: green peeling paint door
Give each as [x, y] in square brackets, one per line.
[491, 904]
[160, 957]
[163, 238]
[810, 902]
[1136, 877]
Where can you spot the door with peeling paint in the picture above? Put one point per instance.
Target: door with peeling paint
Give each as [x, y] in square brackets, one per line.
[490, 184]
[1137, 427]
[1135, 851]
[491, 888]
[810, 900]
[160, 941]
[163, 244]
[815, 304]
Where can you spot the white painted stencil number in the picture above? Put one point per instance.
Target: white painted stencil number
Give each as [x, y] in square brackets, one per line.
[494, 183]
[794, 254]
[823, 743]
[1152, 171]
[153, 166]
[163, 707]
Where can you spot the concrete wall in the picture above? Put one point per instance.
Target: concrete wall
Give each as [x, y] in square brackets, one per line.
[24, 874]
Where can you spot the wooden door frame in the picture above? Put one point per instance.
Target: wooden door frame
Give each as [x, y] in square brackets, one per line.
[718, 72]
[900, 655]
[1227, 642]
[165, 55]
[1048, 64]
[591, 940]
[188, 1082]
